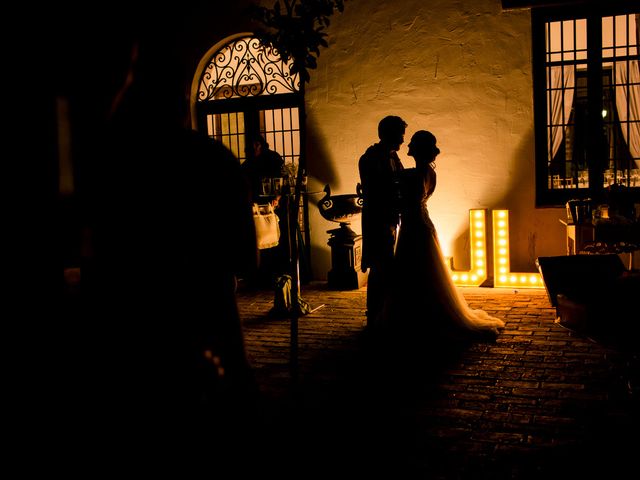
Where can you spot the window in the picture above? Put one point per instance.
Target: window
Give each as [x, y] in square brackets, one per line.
[280, 127]
[247, 89]
[587, 102]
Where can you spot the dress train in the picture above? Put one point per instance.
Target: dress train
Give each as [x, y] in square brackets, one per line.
[422, 298]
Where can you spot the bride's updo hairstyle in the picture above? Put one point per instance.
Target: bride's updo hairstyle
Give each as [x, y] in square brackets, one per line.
[425, 143]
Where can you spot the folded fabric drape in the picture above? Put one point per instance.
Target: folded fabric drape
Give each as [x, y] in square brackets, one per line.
[559, 104]
[627, 83]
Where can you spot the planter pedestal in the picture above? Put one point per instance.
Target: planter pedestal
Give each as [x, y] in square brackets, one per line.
[346, 255]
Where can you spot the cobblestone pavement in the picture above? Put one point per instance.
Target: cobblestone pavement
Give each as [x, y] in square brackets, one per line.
[540, 401]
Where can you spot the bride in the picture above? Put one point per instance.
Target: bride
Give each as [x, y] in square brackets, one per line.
[423, 297]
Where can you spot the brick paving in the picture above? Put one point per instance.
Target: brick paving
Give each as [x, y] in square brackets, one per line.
[540, 401]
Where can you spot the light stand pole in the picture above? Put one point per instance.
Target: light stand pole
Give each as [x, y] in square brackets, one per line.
[294, 256]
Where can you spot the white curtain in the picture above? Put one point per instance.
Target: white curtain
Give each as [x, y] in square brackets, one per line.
[559, 103]
[628, 96]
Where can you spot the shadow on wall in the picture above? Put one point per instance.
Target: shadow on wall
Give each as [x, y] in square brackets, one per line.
[320, 260]
[322, 171]
[319, 163]
[544, 233]
[519, 199]
[525, 219]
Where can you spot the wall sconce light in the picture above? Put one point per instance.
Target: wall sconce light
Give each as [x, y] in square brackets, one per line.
[502, 274]
[478, 241]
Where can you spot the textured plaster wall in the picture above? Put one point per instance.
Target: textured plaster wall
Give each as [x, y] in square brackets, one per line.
[461, 69]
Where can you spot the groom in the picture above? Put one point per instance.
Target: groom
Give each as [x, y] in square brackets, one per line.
[378, 168]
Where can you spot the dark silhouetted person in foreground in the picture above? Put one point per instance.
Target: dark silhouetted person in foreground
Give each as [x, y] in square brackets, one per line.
[172, 227]
[379, 168]
[423, 305]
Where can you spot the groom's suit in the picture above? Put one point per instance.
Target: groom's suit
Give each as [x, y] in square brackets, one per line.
[378, 168]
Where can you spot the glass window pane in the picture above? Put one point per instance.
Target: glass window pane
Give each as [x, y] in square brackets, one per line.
[621, 25]
[607, 32]
[554, 37]
[281, 128]
[581, 34]
[277, 120]
[567, 35]
[228, 128]
[210, 126]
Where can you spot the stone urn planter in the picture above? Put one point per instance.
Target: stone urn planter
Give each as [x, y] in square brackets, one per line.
[342, 209]
[346, 245]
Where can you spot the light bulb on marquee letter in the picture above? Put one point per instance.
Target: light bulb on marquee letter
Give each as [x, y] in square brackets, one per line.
[478, 241]
[502, 274]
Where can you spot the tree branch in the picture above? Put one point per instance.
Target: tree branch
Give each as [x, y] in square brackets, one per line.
[298, 34]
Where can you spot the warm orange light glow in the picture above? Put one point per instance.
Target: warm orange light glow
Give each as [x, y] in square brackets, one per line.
[478, 231]
[503, 277]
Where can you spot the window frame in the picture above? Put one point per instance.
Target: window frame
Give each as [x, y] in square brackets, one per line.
[546, 196]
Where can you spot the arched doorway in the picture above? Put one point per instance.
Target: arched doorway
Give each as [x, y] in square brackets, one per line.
[242, 88]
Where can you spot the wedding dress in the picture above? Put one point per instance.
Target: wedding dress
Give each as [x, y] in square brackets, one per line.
[423, 298]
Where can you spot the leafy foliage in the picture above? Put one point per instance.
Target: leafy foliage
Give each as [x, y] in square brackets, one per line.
[295, 28]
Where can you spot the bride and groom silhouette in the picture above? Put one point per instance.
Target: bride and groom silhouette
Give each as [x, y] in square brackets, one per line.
[410, 290]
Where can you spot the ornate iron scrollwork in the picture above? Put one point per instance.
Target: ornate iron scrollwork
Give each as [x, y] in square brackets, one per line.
[246, 68]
